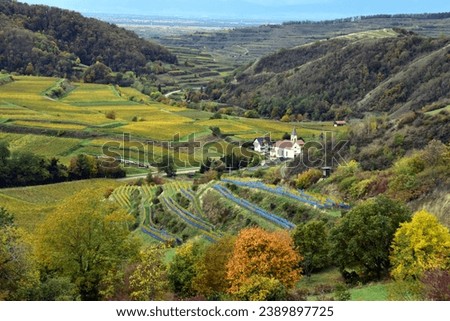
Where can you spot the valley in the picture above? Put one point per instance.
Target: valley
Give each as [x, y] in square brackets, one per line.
[232, 161]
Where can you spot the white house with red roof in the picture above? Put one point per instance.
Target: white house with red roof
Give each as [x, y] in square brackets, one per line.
[288, 149]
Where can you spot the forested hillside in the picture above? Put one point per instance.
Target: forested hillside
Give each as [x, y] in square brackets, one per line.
[49, 41]
[379, 71]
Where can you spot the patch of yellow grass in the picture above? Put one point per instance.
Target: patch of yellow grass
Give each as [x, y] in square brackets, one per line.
[129, 92]
[227, 126]
[27, 92]
[87, 93]
[49, 125]
[162, 129]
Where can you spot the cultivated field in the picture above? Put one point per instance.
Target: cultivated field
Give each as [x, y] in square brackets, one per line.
[91, 115]
[30, 205]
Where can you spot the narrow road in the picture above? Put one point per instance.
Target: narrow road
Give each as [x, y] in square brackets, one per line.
[179, 172]
[171, 93]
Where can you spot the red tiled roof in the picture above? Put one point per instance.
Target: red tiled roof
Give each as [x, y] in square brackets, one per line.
[287, 144]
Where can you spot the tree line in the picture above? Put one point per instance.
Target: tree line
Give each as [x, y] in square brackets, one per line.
[85, 250]
[422, 16]
[27, 169]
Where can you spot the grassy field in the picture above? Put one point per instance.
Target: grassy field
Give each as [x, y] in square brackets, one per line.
[370, 292]
[328, 279]
[93, 109]
[437, 111]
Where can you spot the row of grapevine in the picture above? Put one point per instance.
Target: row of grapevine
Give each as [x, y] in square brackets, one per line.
[254, 208]
[148, 192]
[188, 217]
[205, 228]
[203, 188]
[181, 185]
[303, 197]
[150, 229]
[190, 195]
[159, 235]
[173, 188]
[122, 195]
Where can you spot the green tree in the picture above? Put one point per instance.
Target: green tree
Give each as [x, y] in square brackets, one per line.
[215, 131]
[28, 169]
[84, 239]
[83, 167]
[182, 269]
[148, 281]
[6, 218]
[312, 242]
[97, 73]
[418, 246]
[57, 172]
[29, 70]
[286, 136]
[211, 269]
[361, 240]
[167, 165]
[55, 288]
[4, 153]
[18, 273]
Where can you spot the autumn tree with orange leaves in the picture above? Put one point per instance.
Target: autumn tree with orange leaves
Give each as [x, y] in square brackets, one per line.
[265, 254]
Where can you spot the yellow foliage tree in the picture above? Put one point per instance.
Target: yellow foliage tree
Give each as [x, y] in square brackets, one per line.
[308, 178]
[84, 239]
[148, 281]
[420, 245]
[18, 273]
[260, 288]
[266, 254]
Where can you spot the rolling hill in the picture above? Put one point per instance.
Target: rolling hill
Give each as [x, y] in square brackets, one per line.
[389, 70]
[240, 46]
[49, 41]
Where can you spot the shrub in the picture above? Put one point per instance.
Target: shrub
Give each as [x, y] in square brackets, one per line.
[341, 293]
[216, 115]
[260, 288]
[307, 179]
[251, 114]
[285, 119]
[110, 114]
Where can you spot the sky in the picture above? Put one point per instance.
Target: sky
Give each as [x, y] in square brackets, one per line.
[270, 10]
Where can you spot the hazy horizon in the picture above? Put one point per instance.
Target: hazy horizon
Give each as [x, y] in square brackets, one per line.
[269, 10]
